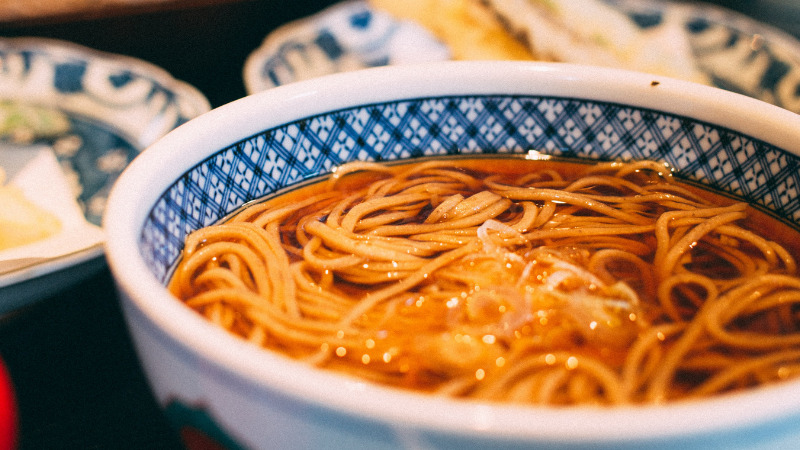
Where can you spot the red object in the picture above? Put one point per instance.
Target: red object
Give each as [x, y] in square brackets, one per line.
[8, 417]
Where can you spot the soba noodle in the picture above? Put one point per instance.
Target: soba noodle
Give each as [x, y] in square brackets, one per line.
[507, 280]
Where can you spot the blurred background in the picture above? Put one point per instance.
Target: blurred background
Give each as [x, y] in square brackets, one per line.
[205, 42]
[784, 14]
[77, 381]
[202, 42]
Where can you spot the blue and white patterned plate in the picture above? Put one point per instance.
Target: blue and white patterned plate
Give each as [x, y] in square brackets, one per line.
[112, 107]
[729, 49]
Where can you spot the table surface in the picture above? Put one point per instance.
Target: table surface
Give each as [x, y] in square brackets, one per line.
[77, 380]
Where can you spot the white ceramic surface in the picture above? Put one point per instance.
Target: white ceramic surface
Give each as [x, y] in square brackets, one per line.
[209, 380]
[116, 106]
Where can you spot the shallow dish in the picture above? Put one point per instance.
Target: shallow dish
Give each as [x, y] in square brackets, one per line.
[110, 108]
[212, 383]
[731, 50]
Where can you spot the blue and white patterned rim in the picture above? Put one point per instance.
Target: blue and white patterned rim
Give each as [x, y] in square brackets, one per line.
[733, 51]
[141, 101]
[506, 124]
[116, 106]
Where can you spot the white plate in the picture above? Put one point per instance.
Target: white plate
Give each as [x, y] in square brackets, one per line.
[732, 51]
[115, 107]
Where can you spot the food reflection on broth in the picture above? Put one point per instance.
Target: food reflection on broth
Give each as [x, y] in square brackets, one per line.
[505, 279]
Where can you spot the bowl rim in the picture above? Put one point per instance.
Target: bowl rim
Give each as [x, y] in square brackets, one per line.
[150, 174]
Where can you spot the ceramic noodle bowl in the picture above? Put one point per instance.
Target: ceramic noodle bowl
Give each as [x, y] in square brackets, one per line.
[216, 386]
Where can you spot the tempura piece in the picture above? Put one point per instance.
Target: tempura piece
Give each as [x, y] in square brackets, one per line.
[21, 221]
[595, 33]
[588, 32]
[466, 27]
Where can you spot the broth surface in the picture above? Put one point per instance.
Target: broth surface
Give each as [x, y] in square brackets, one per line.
[504, 279]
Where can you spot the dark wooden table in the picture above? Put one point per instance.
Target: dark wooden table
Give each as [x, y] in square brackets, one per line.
[77, 379]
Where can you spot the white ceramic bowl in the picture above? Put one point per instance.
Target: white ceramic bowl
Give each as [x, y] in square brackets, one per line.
[243, 396]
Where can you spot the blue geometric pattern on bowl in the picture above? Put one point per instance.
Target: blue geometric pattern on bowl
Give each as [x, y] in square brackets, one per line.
[292, 152]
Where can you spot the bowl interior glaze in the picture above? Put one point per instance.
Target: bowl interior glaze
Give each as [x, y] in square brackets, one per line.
[248, 149]
[724, 159]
